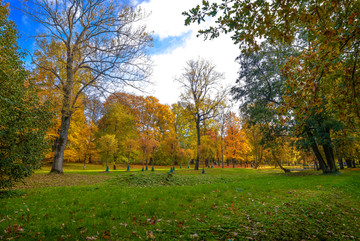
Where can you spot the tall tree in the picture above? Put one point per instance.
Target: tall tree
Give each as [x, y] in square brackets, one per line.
[100, 41]
[324, 77]
[202, 93]
[108, 145]
[121, 123]
[24, 117]
[236, 146]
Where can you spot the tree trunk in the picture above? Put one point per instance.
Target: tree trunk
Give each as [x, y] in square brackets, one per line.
[316, 151]
[66, 113]
[222, 152]
[107, 157]
[339, 157]
[84, 161]
[329, 153]
[316, 165]
[57, 166]
[279, 163]
[348, 163]
[198, 145]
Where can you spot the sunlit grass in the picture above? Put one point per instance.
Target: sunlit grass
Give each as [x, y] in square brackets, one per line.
[223, 204]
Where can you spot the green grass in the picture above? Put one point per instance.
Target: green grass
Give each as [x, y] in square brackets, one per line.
[223, 204]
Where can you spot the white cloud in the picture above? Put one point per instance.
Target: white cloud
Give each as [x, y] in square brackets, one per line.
[166, 21]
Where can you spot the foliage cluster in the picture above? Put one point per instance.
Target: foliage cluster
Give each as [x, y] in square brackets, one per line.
[24, 117]
[302, 79]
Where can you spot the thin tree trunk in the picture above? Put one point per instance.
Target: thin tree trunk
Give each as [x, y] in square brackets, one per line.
[107, 157]
[198, 146]
[84, 161]
[279, 163]
[222, 152]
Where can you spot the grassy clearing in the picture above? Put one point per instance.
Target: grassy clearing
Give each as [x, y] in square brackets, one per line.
[236, 204]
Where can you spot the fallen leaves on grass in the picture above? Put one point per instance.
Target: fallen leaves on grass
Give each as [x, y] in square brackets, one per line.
[55, 180]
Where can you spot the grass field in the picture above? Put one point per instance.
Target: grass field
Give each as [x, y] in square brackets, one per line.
[223, 204]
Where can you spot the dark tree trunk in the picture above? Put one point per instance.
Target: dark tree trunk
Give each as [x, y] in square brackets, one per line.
[57, 166]
[339, 157]
[66, 113]
[341, 164]
[329, 158]
[354, 164]
[329, 153]
[198, 145]
[348, 163]
[316, 151]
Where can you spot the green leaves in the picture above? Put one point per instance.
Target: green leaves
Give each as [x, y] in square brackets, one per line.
[24, 118]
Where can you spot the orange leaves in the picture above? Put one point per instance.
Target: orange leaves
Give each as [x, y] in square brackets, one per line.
[235, 140]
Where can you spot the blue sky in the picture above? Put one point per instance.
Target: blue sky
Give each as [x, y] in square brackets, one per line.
[174, 44]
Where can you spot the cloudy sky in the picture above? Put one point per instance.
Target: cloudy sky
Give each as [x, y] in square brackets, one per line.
[174, 44]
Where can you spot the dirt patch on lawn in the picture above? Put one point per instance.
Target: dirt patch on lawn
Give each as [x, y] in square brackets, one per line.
[56, 180]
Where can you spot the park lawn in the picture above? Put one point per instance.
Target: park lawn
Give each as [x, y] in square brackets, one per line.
[223, 204]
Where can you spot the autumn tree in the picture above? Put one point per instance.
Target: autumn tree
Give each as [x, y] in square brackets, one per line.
[108, 145]
[185, 127]
[202, 94]
[258, 149]
[131, 148]
[117, 121]
[24, 117]
[207, 150]
[324, 75]
[102, 49]
[236, 146]
[154, 121]
[221, 121]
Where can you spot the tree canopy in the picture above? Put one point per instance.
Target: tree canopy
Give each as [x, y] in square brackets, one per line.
[24, 117]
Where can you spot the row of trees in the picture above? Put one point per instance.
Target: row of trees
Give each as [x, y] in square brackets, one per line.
[137, 129]
[298, 87]
[302, 79]
[82, 48]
